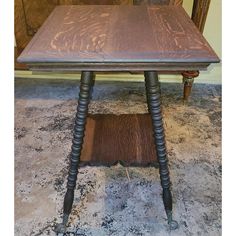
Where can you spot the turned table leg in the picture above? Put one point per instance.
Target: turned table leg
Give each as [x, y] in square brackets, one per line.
[79, 128]
[153, 94]
[147, 96]
[188, 79]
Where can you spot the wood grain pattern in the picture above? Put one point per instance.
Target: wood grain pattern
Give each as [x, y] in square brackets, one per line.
[158, 2]
[199, 13]
[21, 36]
[102, 2]
[118, 34]
[132, 141]
[176, 2]
[36, 12]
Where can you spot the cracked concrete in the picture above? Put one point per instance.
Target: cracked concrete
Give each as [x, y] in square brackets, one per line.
[107, 202]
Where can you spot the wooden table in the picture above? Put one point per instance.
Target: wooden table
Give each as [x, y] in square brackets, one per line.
[118, 38]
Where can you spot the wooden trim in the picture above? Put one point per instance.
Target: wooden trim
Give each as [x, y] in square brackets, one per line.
[199, 13]
[77, 67]
[18, 65]
[176, 2]
[158, 2]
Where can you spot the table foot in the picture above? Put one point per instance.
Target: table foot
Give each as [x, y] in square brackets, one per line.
[77, 142]
[173, 224]
[153, 95]
[167, 200]
[61, 228]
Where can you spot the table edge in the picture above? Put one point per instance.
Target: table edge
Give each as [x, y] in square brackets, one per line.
[76, 67]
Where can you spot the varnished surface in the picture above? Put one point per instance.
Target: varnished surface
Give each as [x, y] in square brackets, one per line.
[122, 66]
[118, 34]
[125, 138]
[37, 12]
[101, 2]
[18, 66]
[199, 13]
[159, 2]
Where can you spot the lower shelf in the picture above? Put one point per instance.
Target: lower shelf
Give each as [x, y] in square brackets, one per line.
[127, 139]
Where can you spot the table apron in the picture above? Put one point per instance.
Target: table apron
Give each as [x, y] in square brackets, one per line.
[77, 67]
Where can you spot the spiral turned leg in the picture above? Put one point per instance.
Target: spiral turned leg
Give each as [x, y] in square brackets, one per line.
[153, 94]
[149, 111]
[79, 128]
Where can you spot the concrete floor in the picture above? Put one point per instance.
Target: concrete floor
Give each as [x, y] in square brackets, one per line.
[107, 200]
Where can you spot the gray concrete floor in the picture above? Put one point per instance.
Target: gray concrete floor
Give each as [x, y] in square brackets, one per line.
[107, 202]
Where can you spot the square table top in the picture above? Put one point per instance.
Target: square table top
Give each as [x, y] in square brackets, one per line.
[120, 37]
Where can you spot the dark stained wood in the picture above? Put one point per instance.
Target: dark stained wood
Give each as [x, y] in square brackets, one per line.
[113, 138]
[158, 2]
[37, 11]
[18, 66]
[154, 106]
[188, 83]
[122, 66]
[29, 16]
[118, 34]
[188, 79]
[174, 33]
[176, 2]
[20, 31]
[199, 13]
[102, 2]
[86, 85]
